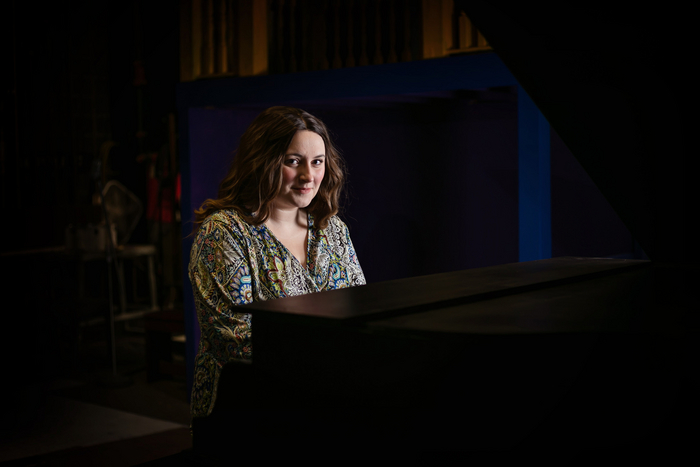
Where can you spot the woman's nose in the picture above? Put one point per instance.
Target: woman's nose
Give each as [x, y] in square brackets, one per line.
[305, 172]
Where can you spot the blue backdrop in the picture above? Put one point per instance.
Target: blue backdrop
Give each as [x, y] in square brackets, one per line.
[451, 165]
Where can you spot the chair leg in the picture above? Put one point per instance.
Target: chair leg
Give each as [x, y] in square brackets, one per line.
[152, 283]
[119, 263]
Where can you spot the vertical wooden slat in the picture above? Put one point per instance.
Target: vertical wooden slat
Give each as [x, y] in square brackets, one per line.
[406, 53]
[186, 41]
[292, 37]
[260, 62]
[252, 48]
[337, 61]
[448, 33]
[391, 57]
[350, 60]
[232, 32]
[431, 28]
[273, 49]
[320, 59]
[465, 31]
[196, 38]
[214, 36]
[364, 60]
[208, 38]
[224, 32]
[304, 17]
[208, 30]
[378, 59]
[279, 32]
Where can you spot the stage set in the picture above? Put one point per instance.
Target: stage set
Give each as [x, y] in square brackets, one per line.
[521, 293]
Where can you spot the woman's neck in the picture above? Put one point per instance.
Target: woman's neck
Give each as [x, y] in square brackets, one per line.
[287, 219]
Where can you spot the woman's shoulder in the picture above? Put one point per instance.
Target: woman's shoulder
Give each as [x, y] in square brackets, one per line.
[334, 223]
[337, 222]
[227, 219]
[336, 229]
[223, 229]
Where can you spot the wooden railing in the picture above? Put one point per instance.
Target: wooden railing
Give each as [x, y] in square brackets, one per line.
[253, 37]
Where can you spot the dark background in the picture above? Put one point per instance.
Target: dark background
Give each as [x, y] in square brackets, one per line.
[72, 81]
[432, 180]
[78, 74]
[69, 85]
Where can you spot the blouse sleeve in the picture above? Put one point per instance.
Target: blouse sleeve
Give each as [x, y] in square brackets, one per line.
[354, 271]
[220, 275]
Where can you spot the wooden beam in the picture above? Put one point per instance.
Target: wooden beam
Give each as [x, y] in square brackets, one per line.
[186, 64]
[252, 39]
[432, 29]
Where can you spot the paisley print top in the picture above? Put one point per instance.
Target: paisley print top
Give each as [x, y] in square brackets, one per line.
[233, 263]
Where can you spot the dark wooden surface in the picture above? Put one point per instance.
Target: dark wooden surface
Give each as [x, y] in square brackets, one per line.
[438, 290]
[584, 353]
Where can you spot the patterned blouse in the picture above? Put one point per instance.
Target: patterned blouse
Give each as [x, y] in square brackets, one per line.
[233, 263]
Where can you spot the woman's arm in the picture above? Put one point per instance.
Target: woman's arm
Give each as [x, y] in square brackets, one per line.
[220, 276]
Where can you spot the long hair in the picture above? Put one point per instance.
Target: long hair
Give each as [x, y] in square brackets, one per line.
[254, 179]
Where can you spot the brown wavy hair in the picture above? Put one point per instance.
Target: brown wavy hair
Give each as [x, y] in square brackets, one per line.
[254, 179]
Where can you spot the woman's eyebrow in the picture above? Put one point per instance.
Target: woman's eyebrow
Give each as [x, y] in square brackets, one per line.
[320, 156]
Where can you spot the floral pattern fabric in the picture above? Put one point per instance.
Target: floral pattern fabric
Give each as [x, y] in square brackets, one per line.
[233, 263]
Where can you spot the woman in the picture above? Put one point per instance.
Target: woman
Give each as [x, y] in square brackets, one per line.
[273, 232]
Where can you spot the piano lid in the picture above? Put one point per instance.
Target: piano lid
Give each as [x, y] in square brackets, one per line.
[460, 301]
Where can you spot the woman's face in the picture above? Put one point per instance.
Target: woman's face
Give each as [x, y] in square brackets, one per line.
[303, 168]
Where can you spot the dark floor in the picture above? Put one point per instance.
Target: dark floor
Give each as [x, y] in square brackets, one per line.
[79, 416]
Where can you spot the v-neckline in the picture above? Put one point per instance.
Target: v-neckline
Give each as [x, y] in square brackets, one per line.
[307, 242]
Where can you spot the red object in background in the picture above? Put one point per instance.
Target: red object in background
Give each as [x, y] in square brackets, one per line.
[178, 189]
[167, 209]
[166, 202]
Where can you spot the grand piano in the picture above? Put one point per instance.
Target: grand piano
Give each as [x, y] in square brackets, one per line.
[572, 353]
[584, 355]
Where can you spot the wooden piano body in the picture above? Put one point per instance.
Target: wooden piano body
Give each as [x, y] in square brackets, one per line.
[572, 352]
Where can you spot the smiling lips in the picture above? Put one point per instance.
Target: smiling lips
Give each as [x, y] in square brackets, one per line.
[302, 190]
